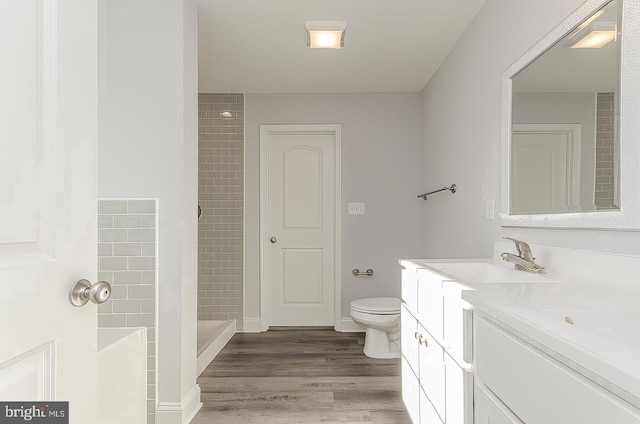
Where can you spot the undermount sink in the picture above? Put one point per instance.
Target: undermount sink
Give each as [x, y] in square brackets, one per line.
[486, 273]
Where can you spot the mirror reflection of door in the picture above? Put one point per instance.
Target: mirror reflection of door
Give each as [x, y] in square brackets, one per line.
[545, 175]
[577, 81]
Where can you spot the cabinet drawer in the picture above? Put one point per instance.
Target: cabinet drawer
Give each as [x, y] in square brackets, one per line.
[539, 389]
[410, 392]
[408, 340]
[410, 289]
[489, 410]
[432, 370]
[430, 305]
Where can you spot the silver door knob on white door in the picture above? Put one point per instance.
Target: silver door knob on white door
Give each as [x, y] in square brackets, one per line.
[83, 291]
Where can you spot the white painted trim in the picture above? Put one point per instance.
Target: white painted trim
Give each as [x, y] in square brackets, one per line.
[252, 325]
[220, 340]
[348, 326]
[264, 218]
[628, 217]
[180, 412]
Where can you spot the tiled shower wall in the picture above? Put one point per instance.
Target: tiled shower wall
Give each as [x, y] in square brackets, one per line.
[604, 151]
[221, 188]
[127, 260]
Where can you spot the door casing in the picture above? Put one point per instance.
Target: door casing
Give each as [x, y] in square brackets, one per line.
[265, 131]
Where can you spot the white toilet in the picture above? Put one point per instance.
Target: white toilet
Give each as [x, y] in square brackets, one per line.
[380, 317]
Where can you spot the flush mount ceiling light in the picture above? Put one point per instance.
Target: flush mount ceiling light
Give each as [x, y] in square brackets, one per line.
[594, 36]
[325, 34]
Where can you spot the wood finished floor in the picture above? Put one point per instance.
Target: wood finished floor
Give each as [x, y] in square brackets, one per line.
[300, 376]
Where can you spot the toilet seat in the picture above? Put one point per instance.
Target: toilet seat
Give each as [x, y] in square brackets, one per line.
[377, 305]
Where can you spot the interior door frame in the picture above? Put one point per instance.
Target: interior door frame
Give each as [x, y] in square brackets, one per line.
[265, 131]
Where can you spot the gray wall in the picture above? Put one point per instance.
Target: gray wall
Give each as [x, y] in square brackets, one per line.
[380, 167]
[462, 119]
[220, 195]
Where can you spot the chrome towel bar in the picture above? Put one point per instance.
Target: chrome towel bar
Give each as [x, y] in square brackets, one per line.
[452, 189]
[357, 273]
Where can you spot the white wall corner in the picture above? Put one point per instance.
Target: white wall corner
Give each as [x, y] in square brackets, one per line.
[252, 325]
[180, 412]
[348, 326]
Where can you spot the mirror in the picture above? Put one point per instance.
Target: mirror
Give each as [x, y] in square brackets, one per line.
[563, 114]
[565, 137]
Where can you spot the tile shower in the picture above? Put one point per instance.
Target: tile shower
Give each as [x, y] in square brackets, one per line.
[220, 226]
[127, 259]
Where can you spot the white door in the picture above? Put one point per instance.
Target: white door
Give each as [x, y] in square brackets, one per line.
[300, 225]
[545, 168]
[48, 241]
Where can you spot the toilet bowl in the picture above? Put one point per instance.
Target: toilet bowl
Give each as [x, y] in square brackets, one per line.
[380, 318]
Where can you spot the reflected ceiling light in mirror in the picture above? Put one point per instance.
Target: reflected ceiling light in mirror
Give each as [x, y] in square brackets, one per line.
[594, 40]
[226, 114]
[325, 34]
[593, 36]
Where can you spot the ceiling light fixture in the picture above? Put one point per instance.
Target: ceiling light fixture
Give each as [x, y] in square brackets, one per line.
[325, 34]
[594, 36]
[226, 114]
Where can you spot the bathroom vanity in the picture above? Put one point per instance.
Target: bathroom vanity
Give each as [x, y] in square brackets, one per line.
[484, 343]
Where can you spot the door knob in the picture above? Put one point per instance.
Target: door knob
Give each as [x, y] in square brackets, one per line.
[273, 240]
[83, 291]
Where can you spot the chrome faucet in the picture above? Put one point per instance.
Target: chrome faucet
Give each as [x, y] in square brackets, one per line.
[525, 260]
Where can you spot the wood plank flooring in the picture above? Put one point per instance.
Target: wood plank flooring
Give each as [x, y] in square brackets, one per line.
[300, 376]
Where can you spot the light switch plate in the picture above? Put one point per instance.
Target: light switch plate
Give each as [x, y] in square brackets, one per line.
[356, 208]
[490, 210]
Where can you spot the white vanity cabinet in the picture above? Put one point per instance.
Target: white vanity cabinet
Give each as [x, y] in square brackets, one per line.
[536, 387]
[437, 384]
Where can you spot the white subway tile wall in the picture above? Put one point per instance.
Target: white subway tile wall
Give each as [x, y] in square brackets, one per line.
[127, 260]
[605, 134]
[221, 197]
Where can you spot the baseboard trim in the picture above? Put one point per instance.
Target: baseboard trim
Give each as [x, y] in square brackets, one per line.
[252, 325]
[180, 412]
[348, 326]
[220, 339]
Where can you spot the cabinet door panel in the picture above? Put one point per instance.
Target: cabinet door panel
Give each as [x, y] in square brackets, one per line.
[457, 324]
[458, 393]
[408, 341]
[432, 371]
[410, 392]
[428, 414]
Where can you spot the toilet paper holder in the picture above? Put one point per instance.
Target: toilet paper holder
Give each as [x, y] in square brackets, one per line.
[357, 273]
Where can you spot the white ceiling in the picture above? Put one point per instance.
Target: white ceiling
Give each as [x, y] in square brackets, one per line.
[258, 46]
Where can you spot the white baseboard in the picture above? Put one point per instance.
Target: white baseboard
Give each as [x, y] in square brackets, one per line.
[222, 337]
[180, 412]
[252, 325]
[348, 326]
